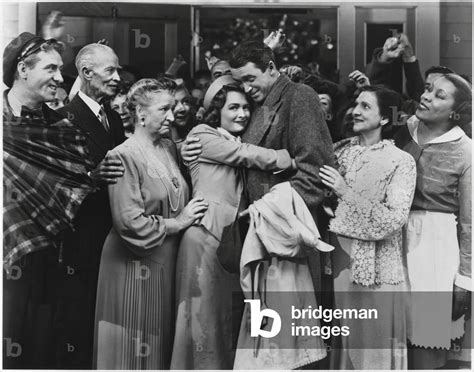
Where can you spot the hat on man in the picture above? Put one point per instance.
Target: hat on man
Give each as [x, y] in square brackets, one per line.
[215, 87]
[13, 52]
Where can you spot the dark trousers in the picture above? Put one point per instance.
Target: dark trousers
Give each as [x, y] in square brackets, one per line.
[29, 310]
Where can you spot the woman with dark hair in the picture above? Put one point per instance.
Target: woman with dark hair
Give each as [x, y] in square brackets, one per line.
[438, 236]
[209, 252]
[150, 208]
[374, 185]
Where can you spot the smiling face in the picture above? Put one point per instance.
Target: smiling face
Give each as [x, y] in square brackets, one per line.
[366, 113]
[104, 77]
[43, 79]
[255, 82]
[158, 114]
[182, 110]
[235, 114]
[436, 103]
[221, 68]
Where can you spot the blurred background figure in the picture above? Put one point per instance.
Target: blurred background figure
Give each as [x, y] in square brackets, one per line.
[119, 104]
[220, 68]
[60, 101]
[184, 114]
[129, 75]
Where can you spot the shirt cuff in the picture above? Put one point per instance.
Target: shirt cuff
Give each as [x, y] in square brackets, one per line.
[409, 59]
[172, 226]
[463, 282]
[283, 160]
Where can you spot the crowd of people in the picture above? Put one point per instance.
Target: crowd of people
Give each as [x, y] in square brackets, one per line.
[140, 212]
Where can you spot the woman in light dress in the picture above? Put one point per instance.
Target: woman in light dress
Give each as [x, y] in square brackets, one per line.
[135, 297]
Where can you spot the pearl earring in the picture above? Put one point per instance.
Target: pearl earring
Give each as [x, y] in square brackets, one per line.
[143, 122]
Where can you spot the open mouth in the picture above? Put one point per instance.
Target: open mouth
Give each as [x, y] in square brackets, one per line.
[422, 106]
[53, 87]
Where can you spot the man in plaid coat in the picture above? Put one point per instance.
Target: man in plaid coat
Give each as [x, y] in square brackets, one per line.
[45, 180]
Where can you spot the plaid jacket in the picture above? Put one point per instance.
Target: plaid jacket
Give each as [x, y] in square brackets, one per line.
[45, 164]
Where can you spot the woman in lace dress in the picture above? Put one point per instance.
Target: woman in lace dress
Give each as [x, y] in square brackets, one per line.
[135, 296]
[374, 185]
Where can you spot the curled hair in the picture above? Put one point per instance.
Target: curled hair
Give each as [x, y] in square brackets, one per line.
[438, 70]
[140, 93]
[389, 103]
[462, 106]
[212, 116]
[256, 52]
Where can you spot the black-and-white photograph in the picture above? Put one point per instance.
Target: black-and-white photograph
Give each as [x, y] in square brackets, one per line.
[237, 185]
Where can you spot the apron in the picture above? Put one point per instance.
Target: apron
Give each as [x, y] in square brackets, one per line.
[432, 260]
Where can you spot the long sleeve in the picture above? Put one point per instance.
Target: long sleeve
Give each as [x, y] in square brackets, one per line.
[219, 150]
[379, 72]
[463, 278]
[310, 145]
[414, 81]
[140, 232]
[368, 219]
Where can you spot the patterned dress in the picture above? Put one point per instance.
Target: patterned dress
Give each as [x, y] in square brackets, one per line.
[368, 262]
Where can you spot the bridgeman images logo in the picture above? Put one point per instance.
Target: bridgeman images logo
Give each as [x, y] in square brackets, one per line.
[256, 317]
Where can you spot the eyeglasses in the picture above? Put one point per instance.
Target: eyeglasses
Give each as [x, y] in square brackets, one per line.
[34, 46]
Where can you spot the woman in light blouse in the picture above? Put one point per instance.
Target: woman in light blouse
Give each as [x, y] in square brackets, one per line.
[438, 236]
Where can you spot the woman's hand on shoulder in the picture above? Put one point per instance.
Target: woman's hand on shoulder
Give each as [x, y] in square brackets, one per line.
[332, 179]
[192, 212]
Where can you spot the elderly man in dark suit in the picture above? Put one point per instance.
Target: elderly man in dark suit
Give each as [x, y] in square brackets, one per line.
[98, 70]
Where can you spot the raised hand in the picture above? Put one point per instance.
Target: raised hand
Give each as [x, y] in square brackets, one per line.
[275, 40]
[391, 49]
[408, 55]
[359, 78]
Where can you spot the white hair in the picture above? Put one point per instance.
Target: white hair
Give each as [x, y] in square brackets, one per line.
[87, 56]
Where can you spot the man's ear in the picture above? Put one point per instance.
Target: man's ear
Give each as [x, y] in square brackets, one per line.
[87, 73]
[22, 70]
[272, 68]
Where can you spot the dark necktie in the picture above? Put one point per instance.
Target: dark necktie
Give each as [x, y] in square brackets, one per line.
[103, 118]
